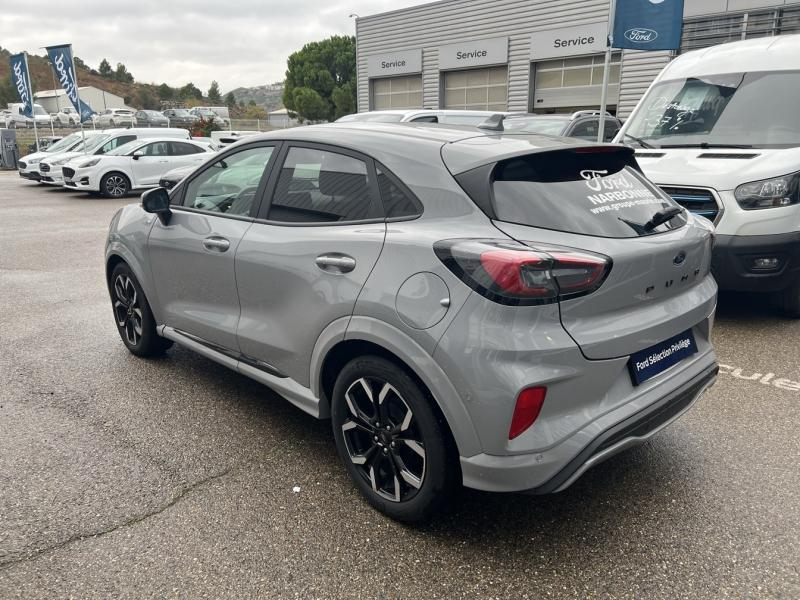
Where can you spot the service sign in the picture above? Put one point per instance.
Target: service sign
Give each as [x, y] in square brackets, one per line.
[395, 63]
[569, 41]
[474, 54]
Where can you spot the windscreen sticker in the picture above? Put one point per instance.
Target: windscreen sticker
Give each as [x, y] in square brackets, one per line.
[615, 192]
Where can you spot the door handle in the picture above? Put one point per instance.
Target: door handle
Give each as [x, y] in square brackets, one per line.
[336, 263]
[216, 244]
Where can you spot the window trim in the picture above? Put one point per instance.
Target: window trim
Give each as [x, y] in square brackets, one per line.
[179, 193]
[403, 188]
[266, 203]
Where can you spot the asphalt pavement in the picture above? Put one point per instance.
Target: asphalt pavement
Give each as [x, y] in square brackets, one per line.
[130, 478]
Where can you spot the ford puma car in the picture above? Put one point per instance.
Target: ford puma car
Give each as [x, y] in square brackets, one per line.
[498, 311]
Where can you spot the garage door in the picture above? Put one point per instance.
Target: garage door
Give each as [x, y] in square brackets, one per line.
[397, 92]
[572, 82]
[477, 89]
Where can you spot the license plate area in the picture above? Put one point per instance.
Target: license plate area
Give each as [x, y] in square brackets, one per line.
[648, 363]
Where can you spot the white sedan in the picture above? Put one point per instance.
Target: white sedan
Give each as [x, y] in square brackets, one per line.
[135, 165]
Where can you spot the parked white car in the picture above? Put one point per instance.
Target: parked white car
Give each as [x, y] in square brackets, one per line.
[17, 118]
[108, 140]
[719, 130]
[116, 117]
[28, 166]
[136, 165]
[67, 116]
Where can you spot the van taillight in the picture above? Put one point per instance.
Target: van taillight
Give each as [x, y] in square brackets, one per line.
[508, 272]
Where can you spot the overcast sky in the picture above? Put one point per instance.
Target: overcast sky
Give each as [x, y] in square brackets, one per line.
[236, 42]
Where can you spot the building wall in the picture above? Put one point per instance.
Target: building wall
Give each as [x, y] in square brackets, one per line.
[430, 26]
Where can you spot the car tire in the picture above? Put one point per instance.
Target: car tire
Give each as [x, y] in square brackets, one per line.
[132, 314]
[789, 300]
[393, 442]
[114, 185]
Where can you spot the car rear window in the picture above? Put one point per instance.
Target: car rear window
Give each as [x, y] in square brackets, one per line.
[588, 193]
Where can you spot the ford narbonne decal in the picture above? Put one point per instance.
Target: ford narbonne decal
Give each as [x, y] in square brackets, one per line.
[640, 35]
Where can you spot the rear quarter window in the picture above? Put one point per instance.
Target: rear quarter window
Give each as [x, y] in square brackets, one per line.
[596, 194]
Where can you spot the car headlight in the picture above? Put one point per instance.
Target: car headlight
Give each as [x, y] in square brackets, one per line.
[91, 163]
[34, 161]
[769, 193]
[59, 162]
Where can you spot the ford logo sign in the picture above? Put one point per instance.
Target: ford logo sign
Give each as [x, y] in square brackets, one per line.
[640, 35]
[679, 258]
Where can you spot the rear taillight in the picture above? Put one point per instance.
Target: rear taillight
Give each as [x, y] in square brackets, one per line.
[526, 410]
[508, 272]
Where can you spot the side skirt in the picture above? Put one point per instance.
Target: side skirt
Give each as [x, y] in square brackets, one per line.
[264, 373]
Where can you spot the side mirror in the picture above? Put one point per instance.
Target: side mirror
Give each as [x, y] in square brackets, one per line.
[156, 201]
[138, 154]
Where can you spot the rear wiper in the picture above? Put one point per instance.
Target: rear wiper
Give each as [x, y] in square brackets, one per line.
[639, 141]
[662, 216]
[706, 146]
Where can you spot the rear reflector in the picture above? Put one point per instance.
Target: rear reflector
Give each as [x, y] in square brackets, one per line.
[526, 411]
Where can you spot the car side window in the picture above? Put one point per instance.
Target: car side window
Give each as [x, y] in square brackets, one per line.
[321, 186]
[426, 119]
[182, 148]
[117, 141]
[396, 202]
[612, 127]
[156, 149]
[586, 130]
[229, 185]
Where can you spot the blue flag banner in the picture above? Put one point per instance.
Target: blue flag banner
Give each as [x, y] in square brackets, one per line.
[63, 67]
[22, 82]
[648, 24]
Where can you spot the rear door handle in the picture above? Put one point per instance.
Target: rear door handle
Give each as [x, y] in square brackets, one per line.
[336, 263]
[216, 244]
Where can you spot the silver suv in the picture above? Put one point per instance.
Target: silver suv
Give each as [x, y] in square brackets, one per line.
[494, 310]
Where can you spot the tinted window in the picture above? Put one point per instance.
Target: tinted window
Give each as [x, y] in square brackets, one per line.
[156, 149]
[586, 130]
[426, 119]
[317, 186]
[181, 149]
[115, 142]
[396, 203]
[229, 185]
[586, 193]
[612, 127]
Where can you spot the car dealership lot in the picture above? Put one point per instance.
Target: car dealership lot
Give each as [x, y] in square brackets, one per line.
[176, 477]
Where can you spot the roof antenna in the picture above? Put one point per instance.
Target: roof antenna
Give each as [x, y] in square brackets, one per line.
[493, 123]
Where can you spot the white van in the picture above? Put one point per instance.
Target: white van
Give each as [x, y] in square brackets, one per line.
[719, 130]
[100, 142]
[18, 119]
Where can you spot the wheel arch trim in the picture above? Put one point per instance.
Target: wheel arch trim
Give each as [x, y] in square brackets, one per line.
[415, 358]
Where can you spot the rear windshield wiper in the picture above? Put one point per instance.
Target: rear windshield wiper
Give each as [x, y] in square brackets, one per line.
[639, 141]
[657, 219]
[706, 146]
[662, 216]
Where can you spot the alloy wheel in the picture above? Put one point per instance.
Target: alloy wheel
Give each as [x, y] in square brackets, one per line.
[127, 309]
[116, 186]
[382, 439]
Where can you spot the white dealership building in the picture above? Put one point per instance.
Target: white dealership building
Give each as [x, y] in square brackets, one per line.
[531, 55]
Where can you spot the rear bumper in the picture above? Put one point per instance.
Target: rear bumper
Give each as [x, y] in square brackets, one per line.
[510, 473]
[733, 267]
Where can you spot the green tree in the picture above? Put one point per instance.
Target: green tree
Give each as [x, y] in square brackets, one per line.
[145, 99]
[190, 91]
[165, 92]
[230, 99]
[320, 79]
[213, 93]
[121, 74]
[105, 69]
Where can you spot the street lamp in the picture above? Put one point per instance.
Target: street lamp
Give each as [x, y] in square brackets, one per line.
[356, 17]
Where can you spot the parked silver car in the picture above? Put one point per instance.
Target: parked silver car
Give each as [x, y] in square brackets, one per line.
[493, 310]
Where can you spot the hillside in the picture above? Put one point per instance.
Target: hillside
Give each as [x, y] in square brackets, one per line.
[42, 77]
[269, 97]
